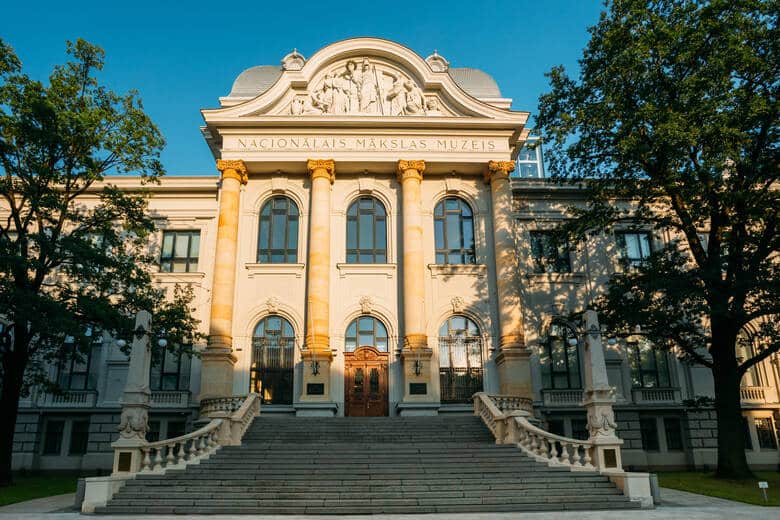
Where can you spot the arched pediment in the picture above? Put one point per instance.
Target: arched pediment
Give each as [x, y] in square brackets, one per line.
[362, 78]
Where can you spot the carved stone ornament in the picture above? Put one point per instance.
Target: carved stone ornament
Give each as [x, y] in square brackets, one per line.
[499, 170]
[272, 304]
[293, 61]
[457, 304]
[437, 62]
[361, 86]
[133, 423]
[366, 304]
[233, 170]
[601, 423]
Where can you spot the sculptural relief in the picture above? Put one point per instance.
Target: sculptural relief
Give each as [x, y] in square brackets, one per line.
[362, 87]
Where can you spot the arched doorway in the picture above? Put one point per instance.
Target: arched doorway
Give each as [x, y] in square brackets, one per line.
[365, 368]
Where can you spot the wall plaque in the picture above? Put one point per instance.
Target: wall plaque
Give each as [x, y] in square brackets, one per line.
[315, 388]
[418, 388]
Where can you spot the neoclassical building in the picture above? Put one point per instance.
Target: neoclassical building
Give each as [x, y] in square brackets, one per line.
[374, 242]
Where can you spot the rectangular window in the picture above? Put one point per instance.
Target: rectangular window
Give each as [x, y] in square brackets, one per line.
[52, 439]
[529, 161]
[649, 365]
[176, 429]
[170, 370]
[649, 430]
[765, 431]
[673, 431]
[555, 426]
[549, 257]
[79, 436]
[180, 251]
[633, 247]
[78, 370]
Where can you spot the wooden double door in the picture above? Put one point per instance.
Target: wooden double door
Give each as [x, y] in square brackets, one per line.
[365, 383]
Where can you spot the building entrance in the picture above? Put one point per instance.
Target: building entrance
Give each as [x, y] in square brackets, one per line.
[365, 383]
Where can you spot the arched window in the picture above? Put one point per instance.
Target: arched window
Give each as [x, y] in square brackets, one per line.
[453, 223]
[366, 331]
[366, 232]
[277, 241]
[560, 359]
[460, 359]
[273, 350]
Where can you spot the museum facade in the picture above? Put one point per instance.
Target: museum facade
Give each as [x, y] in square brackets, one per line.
[375, 241]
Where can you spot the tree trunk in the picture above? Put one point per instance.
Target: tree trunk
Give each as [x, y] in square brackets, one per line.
[13, 375]
[732, 461]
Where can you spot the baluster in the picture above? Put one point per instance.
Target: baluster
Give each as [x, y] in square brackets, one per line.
[193, 450]
[565, 453]
[158, 459]
[587, 457]
[553, 450]
[181, 454]
[147, 462]
[201, 445]
[170, 459]
[576, 455]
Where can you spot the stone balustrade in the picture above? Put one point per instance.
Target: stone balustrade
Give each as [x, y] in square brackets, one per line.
[512, 402]
[180, 451]
[221, 404]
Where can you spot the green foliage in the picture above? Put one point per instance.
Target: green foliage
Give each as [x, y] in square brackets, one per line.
[740, 490]
[74, 249]
[672, 125]
[38, 486]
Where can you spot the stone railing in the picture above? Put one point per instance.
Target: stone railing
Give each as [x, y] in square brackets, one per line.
[221, 404]
[753, 394]
[513, 427]
[507, 403]
[170, 398]
[655, 395]
[180, 451]
[71, 399]
[562, 397]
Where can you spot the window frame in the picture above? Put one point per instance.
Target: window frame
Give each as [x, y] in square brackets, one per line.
[378, 254]
[635, 365]
[65, 367]
[649, 425]
[183, 366]
[377, 326]
[539, 242]
[60, 440]
[455, 379]
[549, 374]
[167, 263]
[292, 213]
[468, 256]
[260, 374]
[622, 247]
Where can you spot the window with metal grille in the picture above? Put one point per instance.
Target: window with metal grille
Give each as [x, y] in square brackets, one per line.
[180, 251]
[460, 359]
[277, 241]
[649, 365]
[560, 358]
[633, 247]
[453, 223]
[366, 232]
[548, 256]
[366, 331]
[273, 351]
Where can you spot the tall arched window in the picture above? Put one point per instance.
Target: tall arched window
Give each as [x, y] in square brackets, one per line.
[366, 232]
[453, 223]
[277, 241]
[560, 359]
[273, 351]
[366, 331]
[460, 359]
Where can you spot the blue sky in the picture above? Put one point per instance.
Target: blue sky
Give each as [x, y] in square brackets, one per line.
[181, 56]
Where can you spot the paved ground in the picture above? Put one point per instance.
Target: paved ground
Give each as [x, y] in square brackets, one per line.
[675, 505]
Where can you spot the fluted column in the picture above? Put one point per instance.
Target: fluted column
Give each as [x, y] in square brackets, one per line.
[217, 359]
[317, 354]
[514, 369]
[416, 355]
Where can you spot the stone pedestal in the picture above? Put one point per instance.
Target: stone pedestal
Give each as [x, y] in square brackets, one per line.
[136, 402]
[419, 376]
[514, 372]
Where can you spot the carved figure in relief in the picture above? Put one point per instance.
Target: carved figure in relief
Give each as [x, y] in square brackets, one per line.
[415, 103]
[368, 89]
[340, 96]
[397, 97]
[432, 107]
[296, 107]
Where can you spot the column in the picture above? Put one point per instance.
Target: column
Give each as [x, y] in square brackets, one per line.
[415, 355]
[218, 360]
[317, 355]
[513, 360]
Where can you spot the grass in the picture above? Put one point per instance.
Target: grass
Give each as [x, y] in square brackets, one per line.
[29, 487]
[740, 490]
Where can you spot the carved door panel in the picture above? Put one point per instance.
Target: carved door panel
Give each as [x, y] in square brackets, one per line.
[365, 383]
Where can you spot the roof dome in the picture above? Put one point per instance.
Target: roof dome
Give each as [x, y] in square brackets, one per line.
[476, 82]
[255, 80]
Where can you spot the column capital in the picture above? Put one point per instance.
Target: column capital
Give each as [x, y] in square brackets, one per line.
[499, 170]
[233, 170]
[408, 169]
[322, 168]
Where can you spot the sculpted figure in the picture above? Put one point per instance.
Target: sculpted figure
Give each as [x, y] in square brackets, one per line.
[432, 107]
[415, 104]
[323, 98]
[340, 98]
[354, 79]
[296, 107]
[368, 90]
[397, 97]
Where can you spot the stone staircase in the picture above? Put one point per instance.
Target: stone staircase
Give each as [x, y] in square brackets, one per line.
[366, 466]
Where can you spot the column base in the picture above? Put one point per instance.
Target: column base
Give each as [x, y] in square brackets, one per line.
[316, 377]
[514, 372]
[216, 378]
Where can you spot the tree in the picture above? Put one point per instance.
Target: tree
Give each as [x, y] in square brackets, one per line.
[74, 250]
[676, 110]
